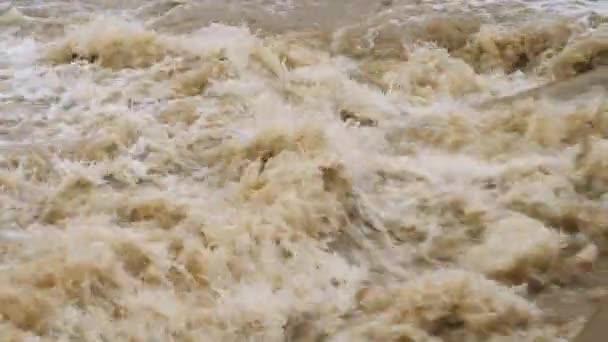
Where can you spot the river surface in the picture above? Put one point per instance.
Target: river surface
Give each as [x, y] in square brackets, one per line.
[284, 170]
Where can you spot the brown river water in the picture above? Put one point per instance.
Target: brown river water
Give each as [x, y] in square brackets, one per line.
[284, 170]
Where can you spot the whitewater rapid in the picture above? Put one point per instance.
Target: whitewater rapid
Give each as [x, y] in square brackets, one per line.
[176, 170]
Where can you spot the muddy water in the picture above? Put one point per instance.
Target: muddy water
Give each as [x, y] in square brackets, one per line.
[177, 170]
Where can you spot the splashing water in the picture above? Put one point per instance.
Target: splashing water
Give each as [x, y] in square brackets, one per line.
[259, 170]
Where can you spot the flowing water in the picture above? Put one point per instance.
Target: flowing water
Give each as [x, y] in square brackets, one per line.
[300, 170]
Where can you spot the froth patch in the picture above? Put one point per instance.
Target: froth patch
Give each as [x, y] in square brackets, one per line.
[514, 249]
[112, 43]
[436, 303]
[584, 53]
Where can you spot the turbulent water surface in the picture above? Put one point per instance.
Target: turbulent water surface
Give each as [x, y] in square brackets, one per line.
[300, 170]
